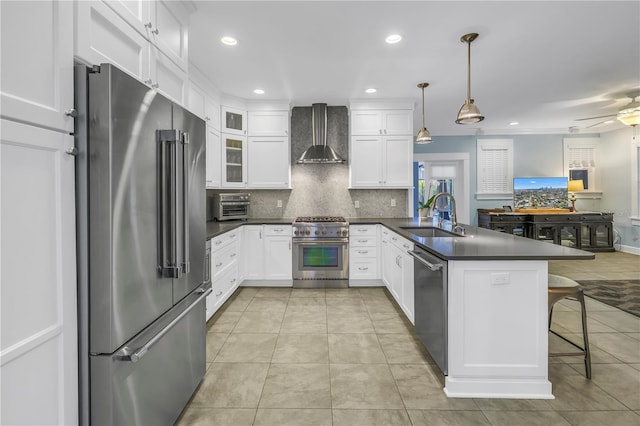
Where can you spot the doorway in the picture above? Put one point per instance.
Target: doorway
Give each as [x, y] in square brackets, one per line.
[447, 172]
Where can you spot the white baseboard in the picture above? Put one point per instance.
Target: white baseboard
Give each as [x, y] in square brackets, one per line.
[267, 283]
[630, 249]
[366, 283]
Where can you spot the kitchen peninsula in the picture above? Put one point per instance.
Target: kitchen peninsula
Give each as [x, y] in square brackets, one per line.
[496, 307]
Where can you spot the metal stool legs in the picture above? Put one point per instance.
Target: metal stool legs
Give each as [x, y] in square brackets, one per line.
[574, 293]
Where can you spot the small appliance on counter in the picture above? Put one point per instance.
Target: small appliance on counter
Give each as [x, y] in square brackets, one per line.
[230, 206]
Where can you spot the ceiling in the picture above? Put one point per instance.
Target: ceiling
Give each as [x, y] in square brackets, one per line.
[542, 64]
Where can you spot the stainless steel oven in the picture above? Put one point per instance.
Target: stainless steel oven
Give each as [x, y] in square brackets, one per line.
[231, 206]
[320, 252]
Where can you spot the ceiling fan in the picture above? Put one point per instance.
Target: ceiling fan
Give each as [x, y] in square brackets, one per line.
[628, 114]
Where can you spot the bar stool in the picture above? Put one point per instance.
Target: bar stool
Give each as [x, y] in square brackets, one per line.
[565, 288]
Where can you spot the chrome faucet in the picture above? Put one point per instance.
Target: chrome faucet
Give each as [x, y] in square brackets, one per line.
[454, 216]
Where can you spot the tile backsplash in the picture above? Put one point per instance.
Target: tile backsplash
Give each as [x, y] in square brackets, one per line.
[322, 189]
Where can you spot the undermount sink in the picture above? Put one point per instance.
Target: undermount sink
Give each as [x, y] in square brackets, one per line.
[428, 231]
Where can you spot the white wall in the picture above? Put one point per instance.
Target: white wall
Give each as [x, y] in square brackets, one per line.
[616, 173]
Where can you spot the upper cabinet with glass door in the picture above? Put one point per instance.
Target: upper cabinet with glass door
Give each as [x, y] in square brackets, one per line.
[233, 120]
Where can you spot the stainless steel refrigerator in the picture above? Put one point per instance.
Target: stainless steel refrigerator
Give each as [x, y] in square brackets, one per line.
[141, 250]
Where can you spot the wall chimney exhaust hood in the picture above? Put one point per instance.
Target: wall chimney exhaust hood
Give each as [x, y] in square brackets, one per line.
[319, 152]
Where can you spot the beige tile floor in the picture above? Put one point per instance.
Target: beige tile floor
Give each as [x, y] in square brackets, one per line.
[348, 357]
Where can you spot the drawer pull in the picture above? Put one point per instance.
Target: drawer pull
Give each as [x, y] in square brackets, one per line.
[232, 255]
[233, 281]
[363, 269]
[394, 238]
[405, 246]
[218, 242]
[363, 241]
[218, 294]
[363, 251]
[363, 230]
[219, 264]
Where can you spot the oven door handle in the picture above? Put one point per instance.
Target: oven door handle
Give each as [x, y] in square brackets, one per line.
[323, 241]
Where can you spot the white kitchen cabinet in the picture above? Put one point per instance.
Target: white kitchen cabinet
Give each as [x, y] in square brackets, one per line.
[101, 36]
[381, 162]
[164, 23]
[388, 258]
[234, 161]
[269, 162]
[225, 263]
[407, 300]
[196, 100]
[268, 123]
[363, 255]
[382, 122]
[277, 252]
[167, 77]
[38, 307]
[212, 113]
[37, 87]
[233, 120]
[204, 106]
[222, 287]
[253, 252]
[213, 173]
[267, 253]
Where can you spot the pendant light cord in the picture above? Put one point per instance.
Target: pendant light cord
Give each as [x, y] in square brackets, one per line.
[423, 107]
[469, 70]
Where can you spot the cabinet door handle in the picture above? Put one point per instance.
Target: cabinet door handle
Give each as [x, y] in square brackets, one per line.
[218, 242]
[219, 264]
[218, 294]
[71, 112]
[232, 255]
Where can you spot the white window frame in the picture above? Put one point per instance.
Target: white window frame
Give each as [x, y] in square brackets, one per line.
[589, 146]
[485, 148]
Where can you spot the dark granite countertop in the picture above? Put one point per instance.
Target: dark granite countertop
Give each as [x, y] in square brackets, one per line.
[477, 244]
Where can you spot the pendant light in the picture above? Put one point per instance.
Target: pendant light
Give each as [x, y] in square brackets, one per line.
[469, 112]
[423, 136]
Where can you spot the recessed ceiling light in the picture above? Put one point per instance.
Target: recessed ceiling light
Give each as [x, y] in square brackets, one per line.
[393, 38]
[514, 123]
[371, 90]
[259, 92]
[229, 41]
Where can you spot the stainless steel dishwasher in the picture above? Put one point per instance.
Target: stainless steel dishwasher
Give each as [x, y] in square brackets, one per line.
[430, 282]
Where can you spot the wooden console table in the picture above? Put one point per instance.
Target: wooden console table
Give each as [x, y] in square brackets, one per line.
[592, 231]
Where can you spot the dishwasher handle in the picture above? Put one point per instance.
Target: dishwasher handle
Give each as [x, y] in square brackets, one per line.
[431, 266]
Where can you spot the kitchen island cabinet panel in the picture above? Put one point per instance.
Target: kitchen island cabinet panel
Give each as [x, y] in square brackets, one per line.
[498, 342]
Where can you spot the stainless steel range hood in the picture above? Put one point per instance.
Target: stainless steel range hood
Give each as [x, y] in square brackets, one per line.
[319, 152]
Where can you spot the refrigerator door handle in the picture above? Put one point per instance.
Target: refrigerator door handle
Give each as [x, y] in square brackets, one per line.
[185, 211]
[167, 204]
[126, 354]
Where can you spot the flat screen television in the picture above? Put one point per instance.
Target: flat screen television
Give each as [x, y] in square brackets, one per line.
[540, 192]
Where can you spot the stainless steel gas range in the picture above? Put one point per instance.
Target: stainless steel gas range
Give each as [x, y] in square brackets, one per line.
[320, 252]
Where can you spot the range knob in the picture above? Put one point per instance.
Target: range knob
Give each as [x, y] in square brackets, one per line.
[295, 232]
[345, 232]
[307, 232]
[317, 232]
[323, 232]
